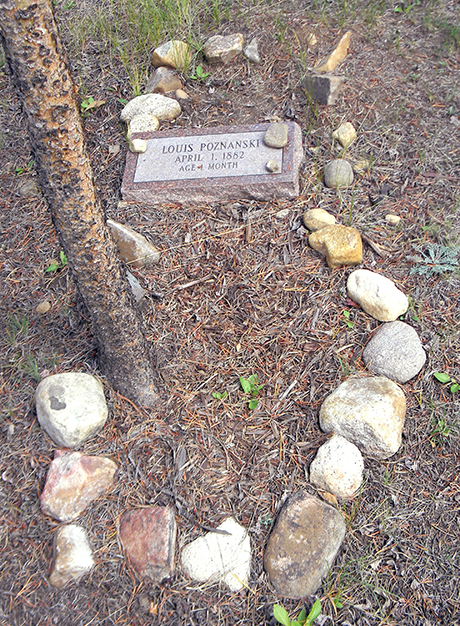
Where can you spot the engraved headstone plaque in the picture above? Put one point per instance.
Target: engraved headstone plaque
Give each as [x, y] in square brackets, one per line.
[212, 164]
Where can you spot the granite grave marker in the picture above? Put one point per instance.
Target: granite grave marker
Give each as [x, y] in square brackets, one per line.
[213, 164]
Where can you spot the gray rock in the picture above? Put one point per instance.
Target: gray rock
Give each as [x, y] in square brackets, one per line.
[219, 49]
[338, 173]
[29, 188]
[216, 557]
[323, 89]
[151, 104]
[338, 467]
[395, 351]
[136, 288]
[251, 52]
[71, 408]
[163, 80]
[72, 555]
[369, 412]
[148, 537]
[276, 135]
[73, 481]
[303, 545]
[377, 295]
[132, 246]
[272, 166]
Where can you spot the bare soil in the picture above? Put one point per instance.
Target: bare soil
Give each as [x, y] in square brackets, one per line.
[263, 302]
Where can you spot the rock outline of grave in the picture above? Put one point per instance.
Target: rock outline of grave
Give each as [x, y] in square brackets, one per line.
[283, 185]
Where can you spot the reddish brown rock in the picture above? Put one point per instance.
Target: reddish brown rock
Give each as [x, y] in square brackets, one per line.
[148, 537]
[74, 480]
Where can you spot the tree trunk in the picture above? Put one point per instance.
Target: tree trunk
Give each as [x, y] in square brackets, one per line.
[41, 72]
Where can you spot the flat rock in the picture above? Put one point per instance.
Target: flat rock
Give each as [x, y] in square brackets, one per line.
[303, 545]
[369, 412]
[338, 467]
[71, 408]
[395, 351]
[137, 145]
[345, 134]
[220, 49]
[276, 135]
[137, 289]
[336, 56]
[143, 124]
[72, 555]
[175, 53]
[377, 295]
[338, 174]
[214, 557]
[323, 89]
[251, 52]
[213, 165]
[341, 245]
[392, 219]
[132, 246]
[151, 104]
[73, 481]
[315, 219]
[163, 80]
[148, 537]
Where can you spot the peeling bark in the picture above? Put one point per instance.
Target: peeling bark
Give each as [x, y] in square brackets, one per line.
[42, 77]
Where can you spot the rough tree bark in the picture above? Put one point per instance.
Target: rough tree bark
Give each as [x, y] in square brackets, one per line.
[41, 72]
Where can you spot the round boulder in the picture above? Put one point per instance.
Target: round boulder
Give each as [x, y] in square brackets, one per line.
[338, 173]
[71, 408]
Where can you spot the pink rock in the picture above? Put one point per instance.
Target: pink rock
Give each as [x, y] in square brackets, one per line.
[73, 481]
[148, 537]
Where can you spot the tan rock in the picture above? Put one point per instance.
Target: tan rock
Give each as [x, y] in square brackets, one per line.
[345, 134]
[392, 219]
[143, 124]
[138, 145]
[315, 219]
[336, 56]
[182, 95]
[43, 307]
[177, 54]
[341, 245]
[163, 80]
[72, 555]
[133, 247]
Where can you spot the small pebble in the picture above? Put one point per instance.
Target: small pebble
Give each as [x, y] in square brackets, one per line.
[276, 135]
[392, 219]
[272, 166]
[43, 307]
[137, 145]
[251, 52]
[281, 215]
[180, 93]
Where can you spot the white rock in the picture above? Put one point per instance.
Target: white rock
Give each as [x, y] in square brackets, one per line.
[155, 104]
[136, 287]
[338, 467]
[71, 408]
[72, 555]
[377, 295]
[369, 412]
[143, 124]
[345, 134]
[138, 145]
[217, 557]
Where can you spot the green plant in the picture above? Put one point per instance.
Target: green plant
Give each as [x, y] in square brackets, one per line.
[17, 325]
[199, 74]
[217, 395]
[348, 321]
[24, 168]
[435, 259]
[445, 378]
[251, 386]
[55, 265]
[406, 8]
[441, 429]
[89, 104]
[282, 616]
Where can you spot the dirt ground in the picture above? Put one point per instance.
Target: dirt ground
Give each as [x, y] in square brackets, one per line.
[264, 303]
